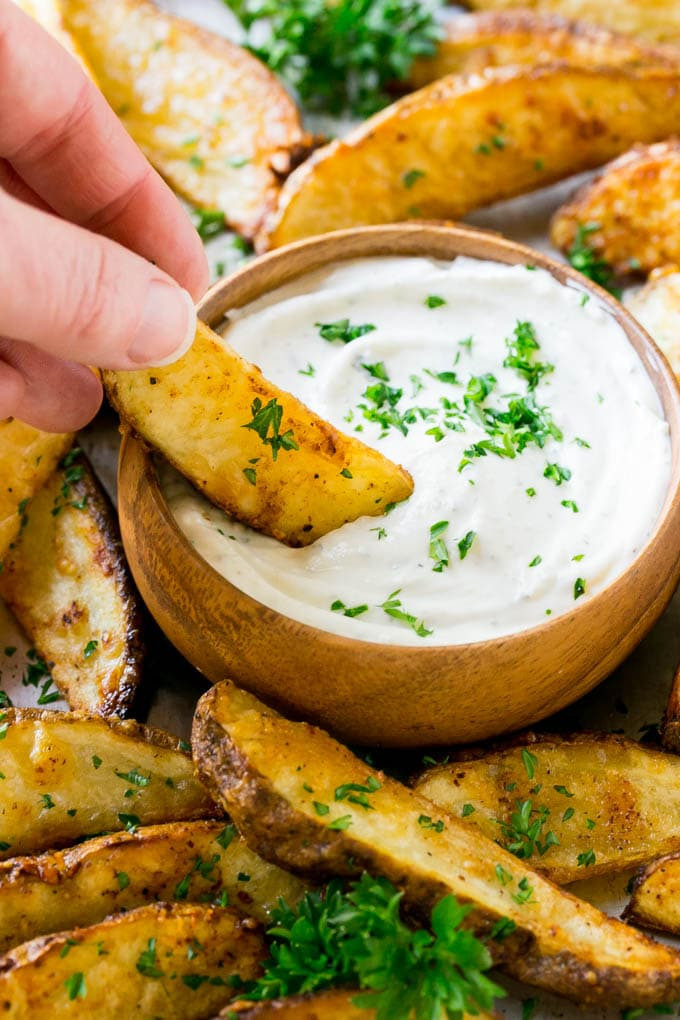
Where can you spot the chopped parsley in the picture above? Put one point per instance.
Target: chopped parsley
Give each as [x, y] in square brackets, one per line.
[438, 551]
[123, 879]
[585, 859]
[434, 301]
[570, 505]
[425, 822]
[343, 330]
[208, 222]
[520, 355]
[147, 962]
[356, 793]
[340, 824]
[378, 371]
[557, 474]
[536, 561]
[412, 176]
[340, 607]
[75, 986]
[530, 761]
[468, 809]
[129, 822]
[90, 648]
[583, 257]
[393, 607]
[579, 587]
[523, 834]
[134, 776]
[266, 418]
[465, 544]
[310, 370]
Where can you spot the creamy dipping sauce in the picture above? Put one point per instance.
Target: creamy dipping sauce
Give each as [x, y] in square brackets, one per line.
[536, 442]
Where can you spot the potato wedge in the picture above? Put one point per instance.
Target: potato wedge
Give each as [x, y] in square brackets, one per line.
[200, 414]
[335, 1004]
[177, 961]
[464, 142]
[48, 14]
[608, 800]
[27, 459]
[656, 20]
[67, 583]
[657, 307]
[474, 42]
[655, 899]
[67, 775]
[634, 203]
[212, 119]
[193, 861]
[260, 766]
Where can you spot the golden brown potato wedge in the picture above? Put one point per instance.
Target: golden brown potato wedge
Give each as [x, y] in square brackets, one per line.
[193, 861]
[655, 900]
[656, 20]
[634, 205]
[177, 961]
[657, 307]
[670, 727]
[212, 119]
[201, 414]
[609, 801]
[27, 459]
[262, 766]
[335, 1004]
[474, 42]
[464, 142]
[68, 775]
[48, 14]
[66, 581]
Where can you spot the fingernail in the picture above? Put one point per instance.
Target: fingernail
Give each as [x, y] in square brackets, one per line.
[168, 326]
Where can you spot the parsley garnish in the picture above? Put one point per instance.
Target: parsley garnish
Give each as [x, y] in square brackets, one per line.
[147, 962]
[90, 648]
[468, 809]
[392, 606]
[579, 587]
[434, 301]
[521, 352]
[425, 822]
[530, 761]
[268, 417]
[130, 822]
[75, 986]
[438, 551]
[378, 371]
[355, 793]
[340, 56]
[343, 330]
[96, 761]
[47, 801]
[208, 222]
[123, 879]
[536, 560]
[570, 505]
[340, 824]
[356, 937]
[584, 860]
[411, 176]
[583, 257]
[523, 833]
[310, 370]
[134, 776]
[351, 611]
[465, 544]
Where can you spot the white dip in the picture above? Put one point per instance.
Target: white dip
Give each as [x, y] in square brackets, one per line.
[529, 531]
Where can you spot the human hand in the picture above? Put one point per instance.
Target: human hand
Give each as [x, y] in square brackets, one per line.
[83, 217]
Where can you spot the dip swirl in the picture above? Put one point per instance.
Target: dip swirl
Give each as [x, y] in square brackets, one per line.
[536, 441]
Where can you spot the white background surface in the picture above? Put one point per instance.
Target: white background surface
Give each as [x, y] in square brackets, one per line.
[631, 698]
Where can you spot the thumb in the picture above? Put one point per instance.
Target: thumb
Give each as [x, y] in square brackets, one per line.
[80, 296]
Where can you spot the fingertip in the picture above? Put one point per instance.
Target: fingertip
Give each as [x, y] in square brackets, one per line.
[12, 391]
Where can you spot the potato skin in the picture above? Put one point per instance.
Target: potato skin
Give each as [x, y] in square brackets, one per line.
[27, 459]
[123, 870]
[195, 411]
[655, 20]
[636, 202]
[61, 783]
[257, 763]
[66, 581]
[246, 127]
[657, 307]
[134, 965]
[335, 1004]
[474, 42]
[628, 791]
[466, 141]
[655, 898]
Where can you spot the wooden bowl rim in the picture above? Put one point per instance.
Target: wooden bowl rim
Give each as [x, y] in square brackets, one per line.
[370, 241]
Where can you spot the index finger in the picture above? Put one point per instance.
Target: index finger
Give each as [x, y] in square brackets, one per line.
[62, 138]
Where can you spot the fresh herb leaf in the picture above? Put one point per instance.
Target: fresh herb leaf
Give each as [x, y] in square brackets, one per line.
[343, 330]
[438, 551]
[268, 417]
[579, 587]
[585, 859]
[583, 257]
[425, 822]
[523, 834]
[556, 474]
[147, 962]
[75, 986]
[530, 761]
[521, 355]
[434, 301]
[392, 606]
[340, 607]
[208, 222]
[465, 544]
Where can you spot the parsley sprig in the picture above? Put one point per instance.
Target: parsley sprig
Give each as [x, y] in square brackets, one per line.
[357, 938]
[267, 417]
[393, 607]
[343, 55]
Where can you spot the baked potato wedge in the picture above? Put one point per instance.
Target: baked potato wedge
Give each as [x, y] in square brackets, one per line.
[670, 727]
[212, 119]
[657, 307]
[27, 459]
[190, 861]
[655, 20]
[655, 898]
[466, 141]
[261, 767]
[177, 961]
[335, 1004]
[252, 449]
[630, 210]
[67, 583]
[68, 775]
[609, 802]
[473, 42]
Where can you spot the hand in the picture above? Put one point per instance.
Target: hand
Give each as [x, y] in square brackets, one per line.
[83, 219]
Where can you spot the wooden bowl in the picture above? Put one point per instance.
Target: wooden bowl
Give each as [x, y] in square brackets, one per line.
[383, 694]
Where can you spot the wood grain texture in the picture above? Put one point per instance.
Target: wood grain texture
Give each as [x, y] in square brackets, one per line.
[381, 694]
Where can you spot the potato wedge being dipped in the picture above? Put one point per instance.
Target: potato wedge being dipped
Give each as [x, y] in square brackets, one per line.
[67, 776]
[252, 449]
[195, 861]
[260, 766]
[467, 141]
[606, 800]
[630, 210]
[66, 582]
[213, 120]
[656, 20]
[474, 42]
[178, 961]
